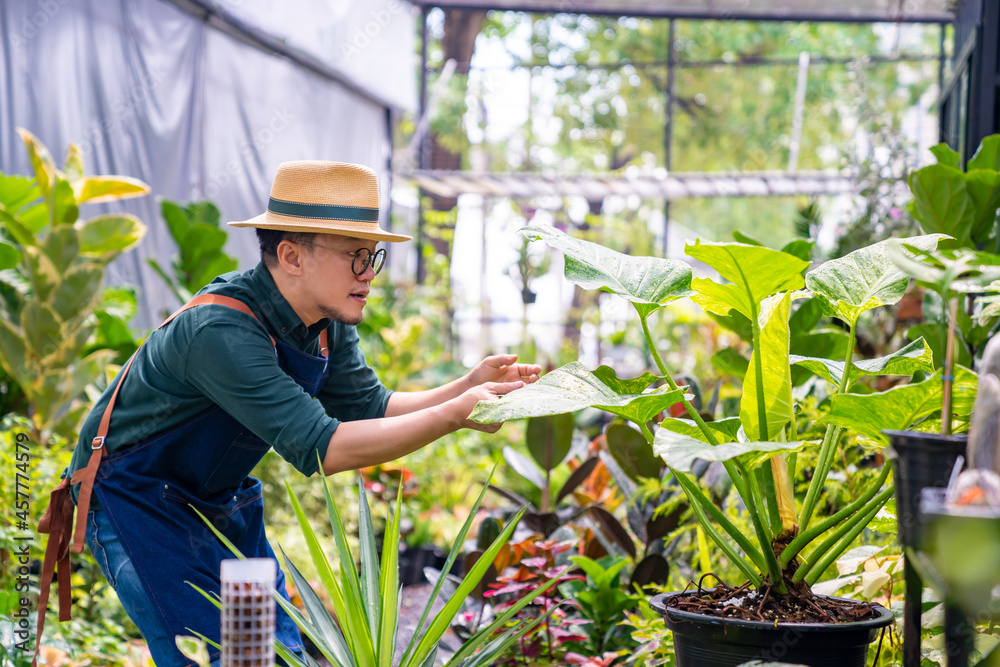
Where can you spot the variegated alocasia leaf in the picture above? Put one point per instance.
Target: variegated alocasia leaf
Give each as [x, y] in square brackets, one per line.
[899, 408]
[648, 282]
[725, 429]
[754, 271]
[573, 387]
[917, 356]
[679, 451]
[768, 391]
[863, 279]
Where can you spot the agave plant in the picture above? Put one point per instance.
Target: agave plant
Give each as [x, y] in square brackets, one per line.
[759, 447]
[362, 630]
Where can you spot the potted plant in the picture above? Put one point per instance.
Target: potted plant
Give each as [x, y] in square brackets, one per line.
[962, 205]
[789, 548]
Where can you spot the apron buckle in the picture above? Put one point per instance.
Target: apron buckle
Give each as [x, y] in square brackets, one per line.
[98, 442]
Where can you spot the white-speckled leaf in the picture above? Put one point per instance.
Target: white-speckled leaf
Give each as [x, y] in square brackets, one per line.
[916, 356]
[754, 271]
[863, 279]
[647, 282]
[900, 407]
[679, 451]
[574, 387]
[726, 429]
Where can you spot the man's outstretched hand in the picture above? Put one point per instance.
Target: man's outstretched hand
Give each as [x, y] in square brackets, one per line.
[502, 368]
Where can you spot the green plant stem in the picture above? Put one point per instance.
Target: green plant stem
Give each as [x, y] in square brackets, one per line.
[816, 571]
[804, 538]
[734, 475]
[697, 497]
[765, 539]
[766, 488]
[830, 440]
[726, 547]
[831, 549]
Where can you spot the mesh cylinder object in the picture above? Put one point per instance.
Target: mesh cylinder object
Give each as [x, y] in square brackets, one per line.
[248, 612]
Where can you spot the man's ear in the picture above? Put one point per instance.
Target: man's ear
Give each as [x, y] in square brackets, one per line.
[290, 257]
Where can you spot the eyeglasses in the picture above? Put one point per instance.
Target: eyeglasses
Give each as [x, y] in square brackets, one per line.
[361, 259]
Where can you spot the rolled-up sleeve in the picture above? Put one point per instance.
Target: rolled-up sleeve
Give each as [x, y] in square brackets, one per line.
[234, 365]
[352, 391]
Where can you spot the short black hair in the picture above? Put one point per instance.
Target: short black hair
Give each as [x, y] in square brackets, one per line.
[269, 239]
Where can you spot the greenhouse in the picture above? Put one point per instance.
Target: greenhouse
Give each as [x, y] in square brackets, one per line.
[414, 333]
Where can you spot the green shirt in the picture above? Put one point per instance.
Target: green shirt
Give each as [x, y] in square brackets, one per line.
[213, 355]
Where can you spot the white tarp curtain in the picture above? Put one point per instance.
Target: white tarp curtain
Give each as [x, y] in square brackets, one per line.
[151, 92]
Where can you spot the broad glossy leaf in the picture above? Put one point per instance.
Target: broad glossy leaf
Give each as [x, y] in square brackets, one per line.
[41, 161]
[645, 281]
[801, 248]
[806, 314]
[13, 352]
[109, 233]
[213, 267]
[632, 452]
[77, 290]
[917, 356]
[42, 328]
[774, 390]
[722, 299]
[960, 270]
[549, 439]
[67, 210]
[726, 430]
[17, 230]
[935, 335]
[736, 322]
[946, 156]
[95, 189]
[9, 256]
[941, 202]
[680, 451]
[755, 272]
[62, 245]
[17, 192]
[571, 388]
[729, 361]
[899, 408]
[863, 279]
[524, 467]
[987, 155]
[984, 192]
[42, 273]
[176, 217]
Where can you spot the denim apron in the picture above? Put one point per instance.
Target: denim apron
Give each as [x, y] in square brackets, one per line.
[149, 488]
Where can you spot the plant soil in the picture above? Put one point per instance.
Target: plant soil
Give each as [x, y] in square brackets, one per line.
[800, 605]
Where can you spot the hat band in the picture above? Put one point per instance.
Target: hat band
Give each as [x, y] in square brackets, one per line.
[322, 211]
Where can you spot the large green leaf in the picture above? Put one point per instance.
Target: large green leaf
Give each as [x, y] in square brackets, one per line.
[13, 352]
[645, 281]
[935, 335]
[77, 290]
[66, 209]
[109, 233]
[62, 245]
[632, 452]
[983, 186]
[863, 279]
[941, 202]
[41, 161]
[726, 430]
[42, 273]
[95, 189]
[17, 192]
[680, 451]
[987, 155]
[948, 270]
[9, 256]
[42, 329]
[899, 408]
[774, 388]
[946, 156]
[755, 273]
[917, 356]
[571, 388]
[549, 439]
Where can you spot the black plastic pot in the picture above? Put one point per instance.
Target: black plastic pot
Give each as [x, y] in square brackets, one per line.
[413, 560]
[709, 641]
[922, 460]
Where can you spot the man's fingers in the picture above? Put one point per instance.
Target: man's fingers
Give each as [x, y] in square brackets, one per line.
[502, 388]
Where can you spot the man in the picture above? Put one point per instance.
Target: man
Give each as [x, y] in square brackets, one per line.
[232, 374]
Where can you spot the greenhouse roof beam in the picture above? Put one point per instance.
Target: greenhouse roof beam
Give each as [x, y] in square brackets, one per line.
[843, 11]
[596, 187]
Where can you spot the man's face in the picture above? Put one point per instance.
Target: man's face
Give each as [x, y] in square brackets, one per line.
[337, 292]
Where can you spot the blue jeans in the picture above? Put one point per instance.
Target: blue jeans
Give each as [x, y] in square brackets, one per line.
[114, 561]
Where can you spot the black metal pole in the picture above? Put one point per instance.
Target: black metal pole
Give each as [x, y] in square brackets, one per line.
[912, 591]
[941, 61]
[668, 130]
[957, 636]
[421, 159]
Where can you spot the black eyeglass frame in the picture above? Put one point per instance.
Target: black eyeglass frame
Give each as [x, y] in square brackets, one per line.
[375, 259]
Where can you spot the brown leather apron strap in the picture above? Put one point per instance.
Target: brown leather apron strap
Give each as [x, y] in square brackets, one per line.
[58, 518]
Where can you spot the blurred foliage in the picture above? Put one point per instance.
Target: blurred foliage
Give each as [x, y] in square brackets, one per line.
[53, 310]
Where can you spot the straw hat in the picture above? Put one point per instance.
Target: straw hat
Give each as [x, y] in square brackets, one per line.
[326, 198]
